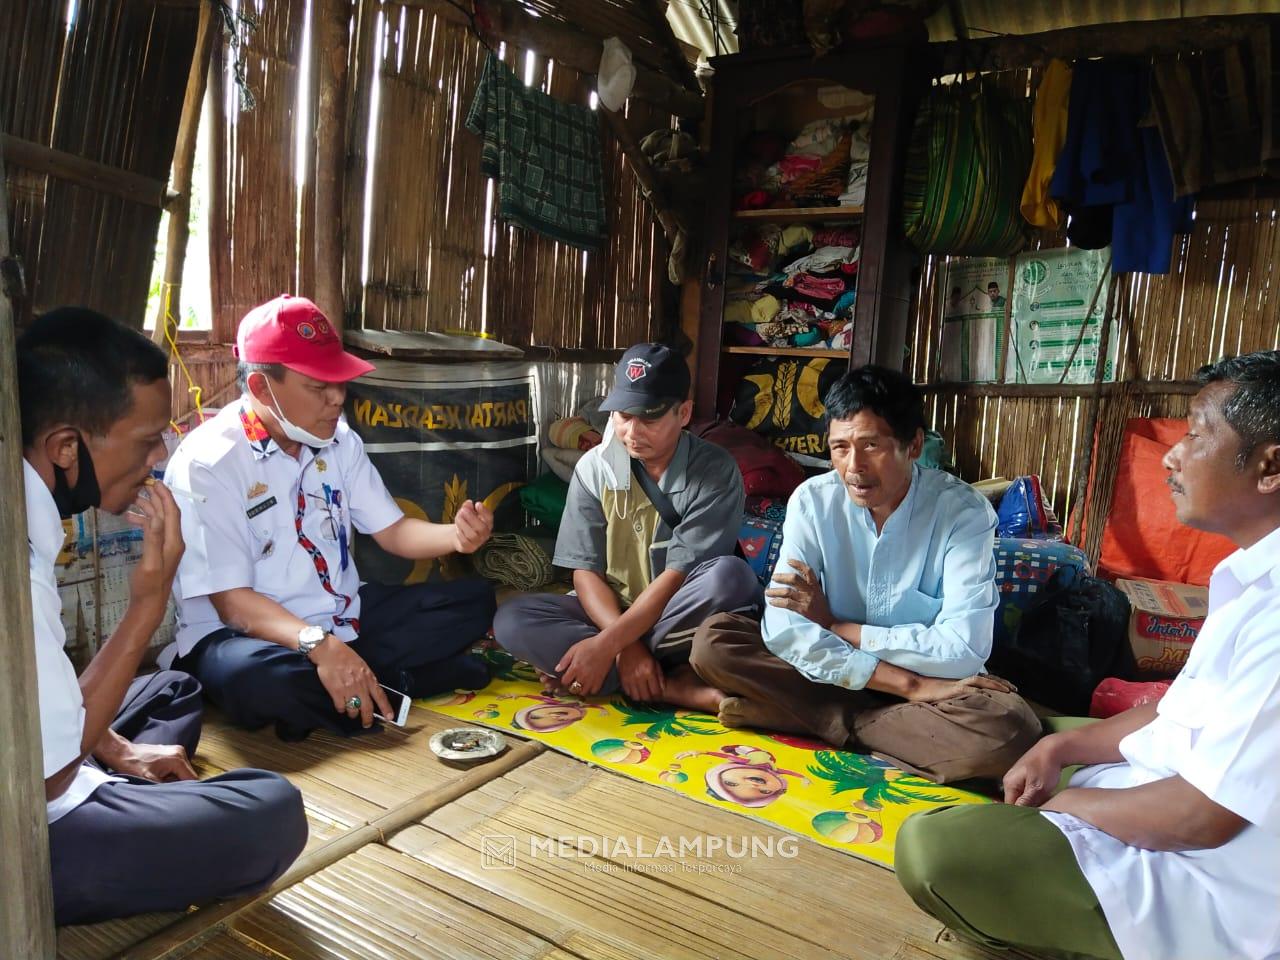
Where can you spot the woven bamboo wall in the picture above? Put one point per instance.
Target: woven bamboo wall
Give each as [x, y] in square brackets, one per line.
[437, 259]
[259, 241]
[110, 90]
[1218, 299]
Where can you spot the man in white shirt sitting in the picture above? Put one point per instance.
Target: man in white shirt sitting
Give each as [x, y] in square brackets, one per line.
[131, 829]
[1166, 845]
[273, 618]
[880, 616]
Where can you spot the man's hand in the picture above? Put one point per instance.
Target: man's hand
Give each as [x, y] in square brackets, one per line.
[639, 673]
[160, 764]
[1032, 780]
[932, 689]
[801, 592]
[345, 675]
[584, 666]
[472, 526]
[156, 513]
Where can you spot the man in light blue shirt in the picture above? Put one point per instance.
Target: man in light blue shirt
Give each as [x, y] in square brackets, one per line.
[876, 637]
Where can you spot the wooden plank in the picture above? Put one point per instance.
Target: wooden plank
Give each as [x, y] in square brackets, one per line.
[86, 173]
[755, 906]
[799, 214]
[363, 907]
[429, 345]
[1142, 38]
[785, 352]
[198, 927]
[26, 898]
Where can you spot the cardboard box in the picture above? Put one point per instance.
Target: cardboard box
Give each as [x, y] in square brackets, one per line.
[1165, 621]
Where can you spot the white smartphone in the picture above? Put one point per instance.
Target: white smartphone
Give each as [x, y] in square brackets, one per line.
[399, 702]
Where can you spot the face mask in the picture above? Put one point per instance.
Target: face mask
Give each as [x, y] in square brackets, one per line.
[85, 494]
[292, 430]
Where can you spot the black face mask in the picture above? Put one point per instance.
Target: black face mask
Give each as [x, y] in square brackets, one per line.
[85, 494]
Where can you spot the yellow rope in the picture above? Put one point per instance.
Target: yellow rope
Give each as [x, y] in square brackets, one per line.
[170, 329]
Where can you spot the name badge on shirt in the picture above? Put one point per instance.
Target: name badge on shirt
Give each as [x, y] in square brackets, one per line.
[258, 508]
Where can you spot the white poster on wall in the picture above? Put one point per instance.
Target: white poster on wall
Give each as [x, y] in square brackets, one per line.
[973, 311]
[1051, 340]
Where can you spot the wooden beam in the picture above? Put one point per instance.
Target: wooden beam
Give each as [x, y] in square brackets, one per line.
[672, 53]
[580, 50]
[643, 172]
[1150, 388]
[86, 173]
[184, 158]
[332, 19]
[1141, 38]
[26, 895]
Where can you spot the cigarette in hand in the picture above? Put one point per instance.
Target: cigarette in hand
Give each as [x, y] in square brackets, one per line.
[187, 493]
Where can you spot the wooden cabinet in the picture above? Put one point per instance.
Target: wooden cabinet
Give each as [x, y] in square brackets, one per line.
[780, 93]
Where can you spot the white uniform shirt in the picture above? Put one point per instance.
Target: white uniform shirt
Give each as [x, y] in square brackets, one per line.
[61, 703]
[1218, 728]
[245, 534]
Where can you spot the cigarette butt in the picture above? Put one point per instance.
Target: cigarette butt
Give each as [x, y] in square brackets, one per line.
[150, 481]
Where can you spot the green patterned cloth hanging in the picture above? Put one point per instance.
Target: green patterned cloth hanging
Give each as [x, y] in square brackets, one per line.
[968, 160]
[545, 156]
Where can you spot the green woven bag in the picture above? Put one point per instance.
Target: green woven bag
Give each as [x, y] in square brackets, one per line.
[968, 160]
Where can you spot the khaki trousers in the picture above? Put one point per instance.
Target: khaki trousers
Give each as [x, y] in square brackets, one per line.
[975, 735]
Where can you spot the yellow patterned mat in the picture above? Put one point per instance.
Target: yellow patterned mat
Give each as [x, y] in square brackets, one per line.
[849, 801]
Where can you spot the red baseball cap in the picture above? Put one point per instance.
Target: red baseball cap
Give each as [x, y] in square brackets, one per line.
[292, 332]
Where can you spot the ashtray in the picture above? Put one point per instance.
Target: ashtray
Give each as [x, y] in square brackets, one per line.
[467, 744]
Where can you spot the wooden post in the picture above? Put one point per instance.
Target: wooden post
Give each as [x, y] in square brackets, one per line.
[368, 48]
[331, 43]
[26, 896]
[643, 171]
[184, 158]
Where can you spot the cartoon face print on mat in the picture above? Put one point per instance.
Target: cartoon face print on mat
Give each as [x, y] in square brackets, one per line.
[749, 778]
[549, 714]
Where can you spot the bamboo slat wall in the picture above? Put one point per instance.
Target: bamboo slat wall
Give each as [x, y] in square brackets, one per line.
[259, 244]
[436, 257]
[109, 89]
[1218, 299]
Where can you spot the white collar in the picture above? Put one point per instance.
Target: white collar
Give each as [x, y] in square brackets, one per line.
[1255, 562]
[44, 524]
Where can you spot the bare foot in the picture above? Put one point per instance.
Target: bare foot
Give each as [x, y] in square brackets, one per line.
[684, 688]
[737, 712]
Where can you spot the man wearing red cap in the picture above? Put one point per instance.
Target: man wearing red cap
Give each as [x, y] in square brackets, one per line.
[273, 619]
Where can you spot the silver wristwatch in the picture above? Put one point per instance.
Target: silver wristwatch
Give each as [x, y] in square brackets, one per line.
[309, 638]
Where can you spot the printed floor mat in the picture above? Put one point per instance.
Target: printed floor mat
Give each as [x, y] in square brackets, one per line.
[848, 801]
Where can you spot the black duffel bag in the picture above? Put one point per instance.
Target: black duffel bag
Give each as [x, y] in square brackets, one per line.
[1073, 638]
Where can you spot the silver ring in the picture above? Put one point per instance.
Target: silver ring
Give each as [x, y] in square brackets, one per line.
[575, 687]
[353, 703]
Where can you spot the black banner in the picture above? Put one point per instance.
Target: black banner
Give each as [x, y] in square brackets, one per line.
[441, 434]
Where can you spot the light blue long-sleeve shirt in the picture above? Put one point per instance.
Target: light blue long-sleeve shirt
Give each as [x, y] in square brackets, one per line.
[924, 588]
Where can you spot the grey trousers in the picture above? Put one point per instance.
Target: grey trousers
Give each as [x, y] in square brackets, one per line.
[137, 846]
[541, 627]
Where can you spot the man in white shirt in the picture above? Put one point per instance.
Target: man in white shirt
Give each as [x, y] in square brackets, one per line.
[1166, 845]
[124, 803]
[272, 617]
[877, 633]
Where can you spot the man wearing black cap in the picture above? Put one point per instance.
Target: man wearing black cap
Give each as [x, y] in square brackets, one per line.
[649, 532]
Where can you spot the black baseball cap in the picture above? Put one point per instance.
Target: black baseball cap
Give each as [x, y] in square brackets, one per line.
[649, 380]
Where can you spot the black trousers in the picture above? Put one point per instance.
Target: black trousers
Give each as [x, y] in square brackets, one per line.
[137, 846]
[422, 629]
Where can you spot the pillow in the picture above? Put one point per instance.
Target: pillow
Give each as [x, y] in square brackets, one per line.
[1143, 537]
